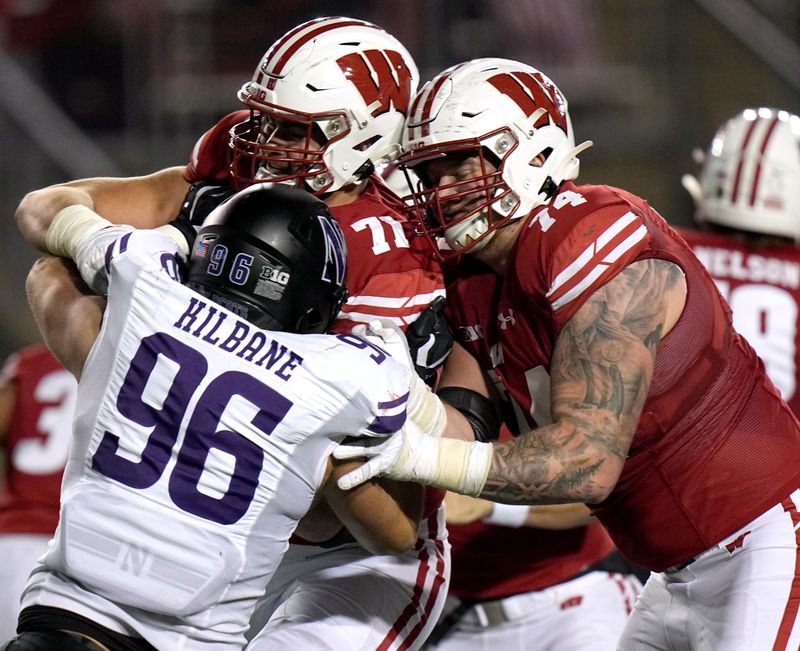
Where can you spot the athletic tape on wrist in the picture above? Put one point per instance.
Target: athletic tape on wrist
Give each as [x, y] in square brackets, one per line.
[508, 515]
[176, 234]
[425, 408]
[462, 466]
[69, 226]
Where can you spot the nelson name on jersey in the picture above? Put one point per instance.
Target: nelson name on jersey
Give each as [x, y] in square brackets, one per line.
[738, 265]
[211, 324]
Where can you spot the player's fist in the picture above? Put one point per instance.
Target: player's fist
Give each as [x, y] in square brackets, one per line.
[202, 198]
[429, 340]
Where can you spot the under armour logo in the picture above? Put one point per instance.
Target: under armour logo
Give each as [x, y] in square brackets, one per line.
[505, 319]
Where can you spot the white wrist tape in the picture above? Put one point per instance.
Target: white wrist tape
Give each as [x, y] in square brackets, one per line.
[508, 515]
[69, 227]
[425, 408]
[462, 466]
[175, 234]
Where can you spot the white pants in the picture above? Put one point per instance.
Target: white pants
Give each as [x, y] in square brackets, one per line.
[740, 595]
[18, 555]
[583, 614]
[345, 598]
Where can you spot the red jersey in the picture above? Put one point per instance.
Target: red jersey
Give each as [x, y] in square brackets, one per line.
[715, 445]
[37, 442]
[762, 286]
[390, 272]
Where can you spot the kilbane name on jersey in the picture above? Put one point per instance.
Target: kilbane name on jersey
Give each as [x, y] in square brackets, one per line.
[210, 324]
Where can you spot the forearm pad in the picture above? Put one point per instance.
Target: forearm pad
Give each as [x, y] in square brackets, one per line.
[477, 409]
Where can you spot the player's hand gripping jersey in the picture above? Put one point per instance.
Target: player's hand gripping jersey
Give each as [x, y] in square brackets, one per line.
[390, 273]
[689, 443]
[200, 440]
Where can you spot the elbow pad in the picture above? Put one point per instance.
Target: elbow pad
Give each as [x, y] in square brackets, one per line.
[477, 409]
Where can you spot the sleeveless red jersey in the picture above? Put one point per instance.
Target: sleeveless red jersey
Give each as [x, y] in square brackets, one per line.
[391, 273]
[37, 442]
[762, 286]
[715, 445]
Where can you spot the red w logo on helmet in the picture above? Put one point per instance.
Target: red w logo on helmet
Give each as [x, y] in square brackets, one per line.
[380, 76]
[533, 91]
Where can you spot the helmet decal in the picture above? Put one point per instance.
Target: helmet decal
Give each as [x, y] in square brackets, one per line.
[334, 268]
[532, 91]
[382, 78]
[275, 256]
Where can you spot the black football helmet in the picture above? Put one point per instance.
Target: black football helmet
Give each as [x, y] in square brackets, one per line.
[274, 256]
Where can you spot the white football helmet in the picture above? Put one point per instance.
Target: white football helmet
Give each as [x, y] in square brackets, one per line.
[341, 82]
[750, 178]
[501, 111]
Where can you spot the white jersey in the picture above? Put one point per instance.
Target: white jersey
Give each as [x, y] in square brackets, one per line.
[200, 441]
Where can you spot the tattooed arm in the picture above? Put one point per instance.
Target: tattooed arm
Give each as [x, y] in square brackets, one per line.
[600, 372]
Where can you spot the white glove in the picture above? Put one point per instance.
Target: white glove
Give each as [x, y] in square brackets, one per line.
[424, 406]
[413, 455]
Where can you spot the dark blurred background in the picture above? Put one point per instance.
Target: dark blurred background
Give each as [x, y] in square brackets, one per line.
[124, 87]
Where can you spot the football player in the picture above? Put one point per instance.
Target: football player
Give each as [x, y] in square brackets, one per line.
[37, 401]
[597, 318]
[207, 410]
[325, 106]
[747, 200]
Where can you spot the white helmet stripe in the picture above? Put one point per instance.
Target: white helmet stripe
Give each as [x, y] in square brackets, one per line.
[285, 48]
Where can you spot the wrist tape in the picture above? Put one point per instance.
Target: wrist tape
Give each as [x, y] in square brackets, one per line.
[508, 515]
[462, 466]
[425, 408]
[69, 227]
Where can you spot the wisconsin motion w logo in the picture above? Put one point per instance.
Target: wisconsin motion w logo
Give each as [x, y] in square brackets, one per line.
[382, 78]
[532, 91]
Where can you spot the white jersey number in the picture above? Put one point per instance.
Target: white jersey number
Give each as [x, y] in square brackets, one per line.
[377, 227]
[767, 317]
[36, 456]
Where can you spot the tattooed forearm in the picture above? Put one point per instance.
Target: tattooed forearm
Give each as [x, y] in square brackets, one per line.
[531, 468]
[601, 367]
